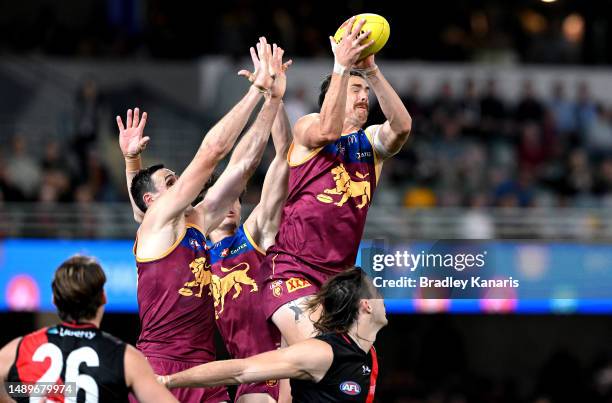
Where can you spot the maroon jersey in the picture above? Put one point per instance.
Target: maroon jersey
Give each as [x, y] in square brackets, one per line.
[329, 196]
[236, 285]
[176, 311]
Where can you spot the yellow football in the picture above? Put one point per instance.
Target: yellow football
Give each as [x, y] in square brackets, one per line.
[380, 32]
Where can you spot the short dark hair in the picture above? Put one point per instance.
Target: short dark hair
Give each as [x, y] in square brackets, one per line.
[142, 183]
[339, 299]
[78, 288]
[327, 80]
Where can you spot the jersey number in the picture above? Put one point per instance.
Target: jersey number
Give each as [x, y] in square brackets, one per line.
[81, 355]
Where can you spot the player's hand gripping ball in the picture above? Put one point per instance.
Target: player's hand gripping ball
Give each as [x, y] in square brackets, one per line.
[380, 33]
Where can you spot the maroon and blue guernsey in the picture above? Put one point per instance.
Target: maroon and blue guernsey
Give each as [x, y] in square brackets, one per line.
[330, 192]
[176, 311]
[236, 284]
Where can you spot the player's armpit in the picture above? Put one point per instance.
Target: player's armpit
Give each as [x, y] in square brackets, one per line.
[139, 377]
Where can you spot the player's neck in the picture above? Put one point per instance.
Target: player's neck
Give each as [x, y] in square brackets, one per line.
[222, 232]
[363, 335]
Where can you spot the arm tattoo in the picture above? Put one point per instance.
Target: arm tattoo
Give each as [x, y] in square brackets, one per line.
[296, 310]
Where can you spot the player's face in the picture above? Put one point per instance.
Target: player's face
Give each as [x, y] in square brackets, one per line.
[357, 102]
[163, 179]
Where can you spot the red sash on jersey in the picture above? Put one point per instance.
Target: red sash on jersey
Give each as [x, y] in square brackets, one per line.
[373, 374]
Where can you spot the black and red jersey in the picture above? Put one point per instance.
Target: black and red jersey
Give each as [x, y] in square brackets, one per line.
[78, 354]
[350, 378]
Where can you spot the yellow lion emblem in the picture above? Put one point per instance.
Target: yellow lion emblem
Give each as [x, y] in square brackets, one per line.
[202, 278]
[221, 286]
[347, 187]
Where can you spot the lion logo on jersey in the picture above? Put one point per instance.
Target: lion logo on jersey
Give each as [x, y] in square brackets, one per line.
[347, 187]
[221, 286]
[202, 278]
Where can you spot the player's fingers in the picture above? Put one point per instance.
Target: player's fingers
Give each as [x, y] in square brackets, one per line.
[358, 40]
[254, 57]
[364, 46]
[287, 64]
[142, 144]
[136, 117]
[333, 43]
[120, 123]
[128, 120]
[349, 27]
[143, 120]
[357, 29]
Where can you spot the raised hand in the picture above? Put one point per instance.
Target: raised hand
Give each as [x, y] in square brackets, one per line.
[264, 75]
[131, 140]
[251, 75]
[278, 69]
[348, 50]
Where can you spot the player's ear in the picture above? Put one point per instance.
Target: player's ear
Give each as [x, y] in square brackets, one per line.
[148, 198]
[365, 306]
[104, 299]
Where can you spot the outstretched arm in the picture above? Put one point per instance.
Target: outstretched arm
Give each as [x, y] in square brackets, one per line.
[132, 143]
[140, 378]
[307, 360]
[264, 220]
[391, 136]
[249, 151]
[312, 131]
[215, 146]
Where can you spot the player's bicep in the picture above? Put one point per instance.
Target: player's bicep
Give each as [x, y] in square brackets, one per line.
[7, 357]
[8, 353]
[307, 132]
[140, 378]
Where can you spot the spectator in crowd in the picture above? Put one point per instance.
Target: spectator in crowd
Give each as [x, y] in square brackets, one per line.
[563, 110]
[529, 107]
[22, 169]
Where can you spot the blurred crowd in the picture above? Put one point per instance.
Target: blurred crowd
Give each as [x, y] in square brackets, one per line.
[471, 148]
[70, 169]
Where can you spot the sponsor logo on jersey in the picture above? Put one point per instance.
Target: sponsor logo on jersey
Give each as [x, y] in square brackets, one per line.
[244, 245]
[350, 388]
[294, 284]
[81, 334]
[225, 252]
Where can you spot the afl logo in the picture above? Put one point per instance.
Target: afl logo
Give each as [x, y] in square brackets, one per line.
[350, 388]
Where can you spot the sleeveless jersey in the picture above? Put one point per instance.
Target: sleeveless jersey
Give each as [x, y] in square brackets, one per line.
[351, 377]
[236, 285]
[176, 311]
[70, 354]
[330, 192]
